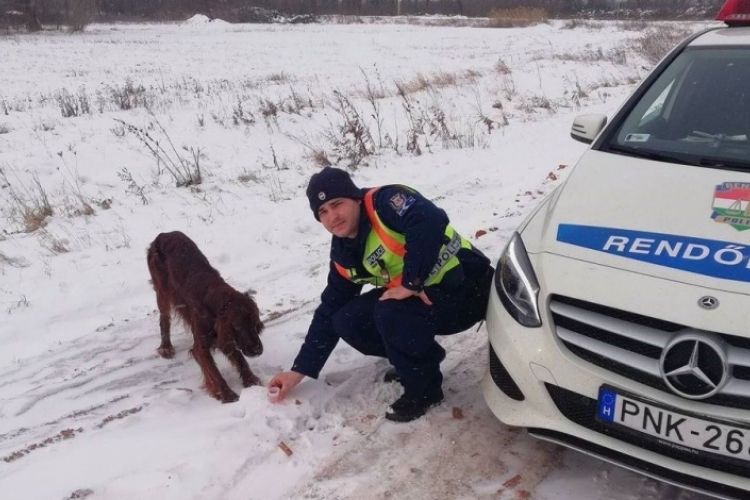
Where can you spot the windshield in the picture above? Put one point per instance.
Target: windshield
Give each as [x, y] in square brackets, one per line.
[696, 112]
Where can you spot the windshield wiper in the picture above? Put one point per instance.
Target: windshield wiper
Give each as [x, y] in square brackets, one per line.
[649, 155]
[724, 164]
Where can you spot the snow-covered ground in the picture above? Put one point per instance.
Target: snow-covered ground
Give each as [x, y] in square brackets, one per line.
[87, 408]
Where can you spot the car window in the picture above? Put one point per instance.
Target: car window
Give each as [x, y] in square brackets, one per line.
[656, 108]
[696, 112]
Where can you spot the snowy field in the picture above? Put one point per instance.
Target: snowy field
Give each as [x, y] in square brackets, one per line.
[96, 132]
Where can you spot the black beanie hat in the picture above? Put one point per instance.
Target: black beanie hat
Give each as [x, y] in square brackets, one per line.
[328, 184]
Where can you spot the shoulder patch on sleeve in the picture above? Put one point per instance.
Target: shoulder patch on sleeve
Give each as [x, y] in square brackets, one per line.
[400, 202]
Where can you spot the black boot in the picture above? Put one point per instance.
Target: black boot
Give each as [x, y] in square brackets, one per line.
[391, 376]
[408, 408]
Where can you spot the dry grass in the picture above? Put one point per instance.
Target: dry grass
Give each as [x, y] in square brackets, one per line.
[55, 245]
[444, 79]
[502, 68]
[441, 79]
[246, 177]
[472, 74]
[279, 77]
[29, 204]
[571, 24]
[617, 56]
[637, 25]
[655, 43]
[517, 18]
[17, 262]
[320, 157]
[185, 172]
[417, 84]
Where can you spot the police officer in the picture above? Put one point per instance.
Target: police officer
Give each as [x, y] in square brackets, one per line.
[428, 281]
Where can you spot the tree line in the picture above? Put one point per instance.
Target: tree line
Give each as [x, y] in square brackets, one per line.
[74, 13]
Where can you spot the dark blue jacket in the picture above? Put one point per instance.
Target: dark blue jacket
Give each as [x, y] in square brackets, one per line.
[423, 224]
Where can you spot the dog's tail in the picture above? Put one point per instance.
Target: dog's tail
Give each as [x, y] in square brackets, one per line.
[156, 263]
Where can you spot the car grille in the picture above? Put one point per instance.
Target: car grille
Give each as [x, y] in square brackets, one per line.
[631, 345]
[502, 378]
[582, 411]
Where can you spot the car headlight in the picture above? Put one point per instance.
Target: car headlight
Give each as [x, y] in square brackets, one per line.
[517, 285]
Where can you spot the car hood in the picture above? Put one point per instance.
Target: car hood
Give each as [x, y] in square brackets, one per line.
[676, 222]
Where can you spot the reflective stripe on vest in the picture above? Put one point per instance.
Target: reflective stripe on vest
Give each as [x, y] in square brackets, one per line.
[385, 250]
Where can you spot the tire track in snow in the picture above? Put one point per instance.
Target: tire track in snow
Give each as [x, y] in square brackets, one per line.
[86, 380]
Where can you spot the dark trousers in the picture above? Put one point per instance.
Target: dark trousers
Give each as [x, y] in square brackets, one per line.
[404, 330]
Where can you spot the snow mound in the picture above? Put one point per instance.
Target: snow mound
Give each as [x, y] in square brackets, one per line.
[200, 20]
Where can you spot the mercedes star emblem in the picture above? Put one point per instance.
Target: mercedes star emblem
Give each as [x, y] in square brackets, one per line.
[694, 367]
[708, 302]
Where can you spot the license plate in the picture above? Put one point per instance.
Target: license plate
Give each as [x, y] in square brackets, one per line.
[674, 428]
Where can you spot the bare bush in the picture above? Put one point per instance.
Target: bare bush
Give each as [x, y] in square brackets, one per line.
[73, 105]
[415, 121]
[241, 116]
[4, 128]
[373, 92]
[295, 103]
[373, 96]
[498, 120]
[80, 14]
[518, 17]
[129, 96]
[132, 187]
[639, 25]
[29, 204]
[502, 68]
[617, 56]
[320, 158]
[656, 42]
[118, 131]
[52, 243]
[268, 108]
[351, 140]
[245, 177]
[571, 24]
[185, 172]
[429, 124]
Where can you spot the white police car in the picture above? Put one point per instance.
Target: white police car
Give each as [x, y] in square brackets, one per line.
[620, 322]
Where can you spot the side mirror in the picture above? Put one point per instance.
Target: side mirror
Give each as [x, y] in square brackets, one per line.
[586, 127]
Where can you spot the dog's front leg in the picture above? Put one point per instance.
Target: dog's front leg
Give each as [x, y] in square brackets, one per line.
[216, 386]
[240, 363]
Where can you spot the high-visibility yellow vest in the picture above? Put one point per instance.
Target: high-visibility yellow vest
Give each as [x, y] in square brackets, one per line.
[385, 250]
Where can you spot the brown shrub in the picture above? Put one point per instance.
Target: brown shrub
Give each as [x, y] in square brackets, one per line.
[517, 18]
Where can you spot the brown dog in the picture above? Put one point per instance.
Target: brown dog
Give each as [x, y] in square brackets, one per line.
[218, 315]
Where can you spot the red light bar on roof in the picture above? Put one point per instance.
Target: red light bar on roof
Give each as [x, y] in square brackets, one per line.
[735, 13]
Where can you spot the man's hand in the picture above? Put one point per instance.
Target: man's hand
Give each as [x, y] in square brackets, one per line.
[401, 293]
[285, 381]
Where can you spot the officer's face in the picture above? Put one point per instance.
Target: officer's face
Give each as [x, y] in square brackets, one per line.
[340, 216]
